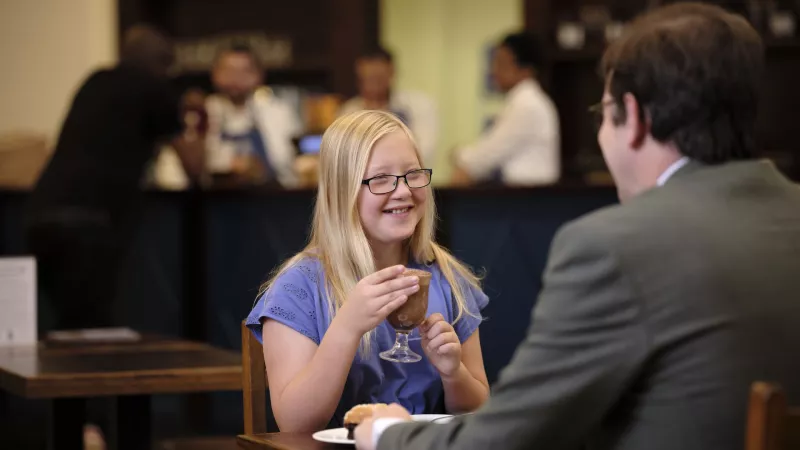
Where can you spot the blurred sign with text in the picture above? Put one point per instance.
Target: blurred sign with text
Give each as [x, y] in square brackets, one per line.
[198, 54]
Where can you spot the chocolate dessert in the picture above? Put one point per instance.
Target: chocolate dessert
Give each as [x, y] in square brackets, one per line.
[412, 313]
[358, 414]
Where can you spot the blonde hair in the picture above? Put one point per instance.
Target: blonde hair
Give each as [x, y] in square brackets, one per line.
[337, 237]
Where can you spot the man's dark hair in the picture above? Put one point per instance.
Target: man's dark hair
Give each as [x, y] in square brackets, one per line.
[694, 70]
[527, 49]
[239, 48]
[377, 53]
[148, 47]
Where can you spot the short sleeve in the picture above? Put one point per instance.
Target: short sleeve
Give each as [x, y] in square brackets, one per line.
[474, 301]
[290, 300]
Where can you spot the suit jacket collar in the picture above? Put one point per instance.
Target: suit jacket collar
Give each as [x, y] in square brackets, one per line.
[762, 170]
[689, 168]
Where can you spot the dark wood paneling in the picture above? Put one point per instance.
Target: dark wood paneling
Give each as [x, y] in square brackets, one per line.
[537, 16]
[778, 112]
[326, 36]
[352, 23]
[571, 79]
[305, 22]
[574, 87]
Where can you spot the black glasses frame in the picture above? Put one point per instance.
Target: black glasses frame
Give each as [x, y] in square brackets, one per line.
[397, 180]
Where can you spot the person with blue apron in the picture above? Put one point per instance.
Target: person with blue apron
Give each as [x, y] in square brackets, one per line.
[249, 148]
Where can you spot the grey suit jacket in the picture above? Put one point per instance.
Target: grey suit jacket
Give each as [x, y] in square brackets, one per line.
[654, 318]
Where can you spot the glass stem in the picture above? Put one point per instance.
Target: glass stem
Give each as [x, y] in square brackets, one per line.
[402, 340]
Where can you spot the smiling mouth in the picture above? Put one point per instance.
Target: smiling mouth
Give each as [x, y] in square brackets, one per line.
[398, 210]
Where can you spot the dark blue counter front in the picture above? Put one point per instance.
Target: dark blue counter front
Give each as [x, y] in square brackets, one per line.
[199, 258]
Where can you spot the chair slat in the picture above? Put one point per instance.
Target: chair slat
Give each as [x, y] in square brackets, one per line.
[771, 424]
[254, 384]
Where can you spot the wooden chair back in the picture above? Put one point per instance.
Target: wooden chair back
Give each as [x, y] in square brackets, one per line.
[771, 423]
[254, 384]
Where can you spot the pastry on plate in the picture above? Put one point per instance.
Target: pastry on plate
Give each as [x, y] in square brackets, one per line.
[358, 414]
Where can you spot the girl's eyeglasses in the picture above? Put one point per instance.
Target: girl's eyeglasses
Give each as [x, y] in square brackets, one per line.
[384, 184]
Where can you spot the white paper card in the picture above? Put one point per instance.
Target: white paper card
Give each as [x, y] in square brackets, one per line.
[18, 301]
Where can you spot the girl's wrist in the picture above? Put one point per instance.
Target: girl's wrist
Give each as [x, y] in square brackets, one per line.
[453, 377]
[344, 334]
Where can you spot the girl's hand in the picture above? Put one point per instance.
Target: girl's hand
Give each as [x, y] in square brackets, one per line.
[441, 344]
[374, 298]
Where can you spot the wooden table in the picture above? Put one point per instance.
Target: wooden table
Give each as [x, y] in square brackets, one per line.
[131, 372]
[285, 441]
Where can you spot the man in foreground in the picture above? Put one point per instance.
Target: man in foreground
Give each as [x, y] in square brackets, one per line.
[658, 314]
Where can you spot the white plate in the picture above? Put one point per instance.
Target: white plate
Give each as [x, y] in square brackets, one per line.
[339, 435]
[333, 436]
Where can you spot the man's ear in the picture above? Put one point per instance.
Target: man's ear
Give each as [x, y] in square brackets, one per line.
[636, 128]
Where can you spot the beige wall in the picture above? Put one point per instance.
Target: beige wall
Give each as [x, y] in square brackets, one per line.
[440, 48]
[47, 48]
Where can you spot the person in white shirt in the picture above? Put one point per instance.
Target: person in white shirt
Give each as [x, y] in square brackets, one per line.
[522, 147]
[250, 130]
[375, 72]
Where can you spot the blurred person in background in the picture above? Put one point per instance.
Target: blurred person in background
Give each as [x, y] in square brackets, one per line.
[86, 205]
[522, 147]
[250, 130]
[375, 71]
[87, 202]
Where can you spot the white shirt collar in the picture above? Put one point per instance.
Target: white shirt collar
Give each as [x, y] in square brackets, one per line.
[526, 84]
[674, 167]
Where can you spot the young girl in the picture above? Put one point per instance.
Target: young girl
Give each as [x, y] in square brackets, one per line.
[322, 318]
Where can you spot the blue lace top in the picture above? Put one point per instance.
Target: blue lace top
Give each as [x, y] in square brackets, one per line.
[297, 300]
